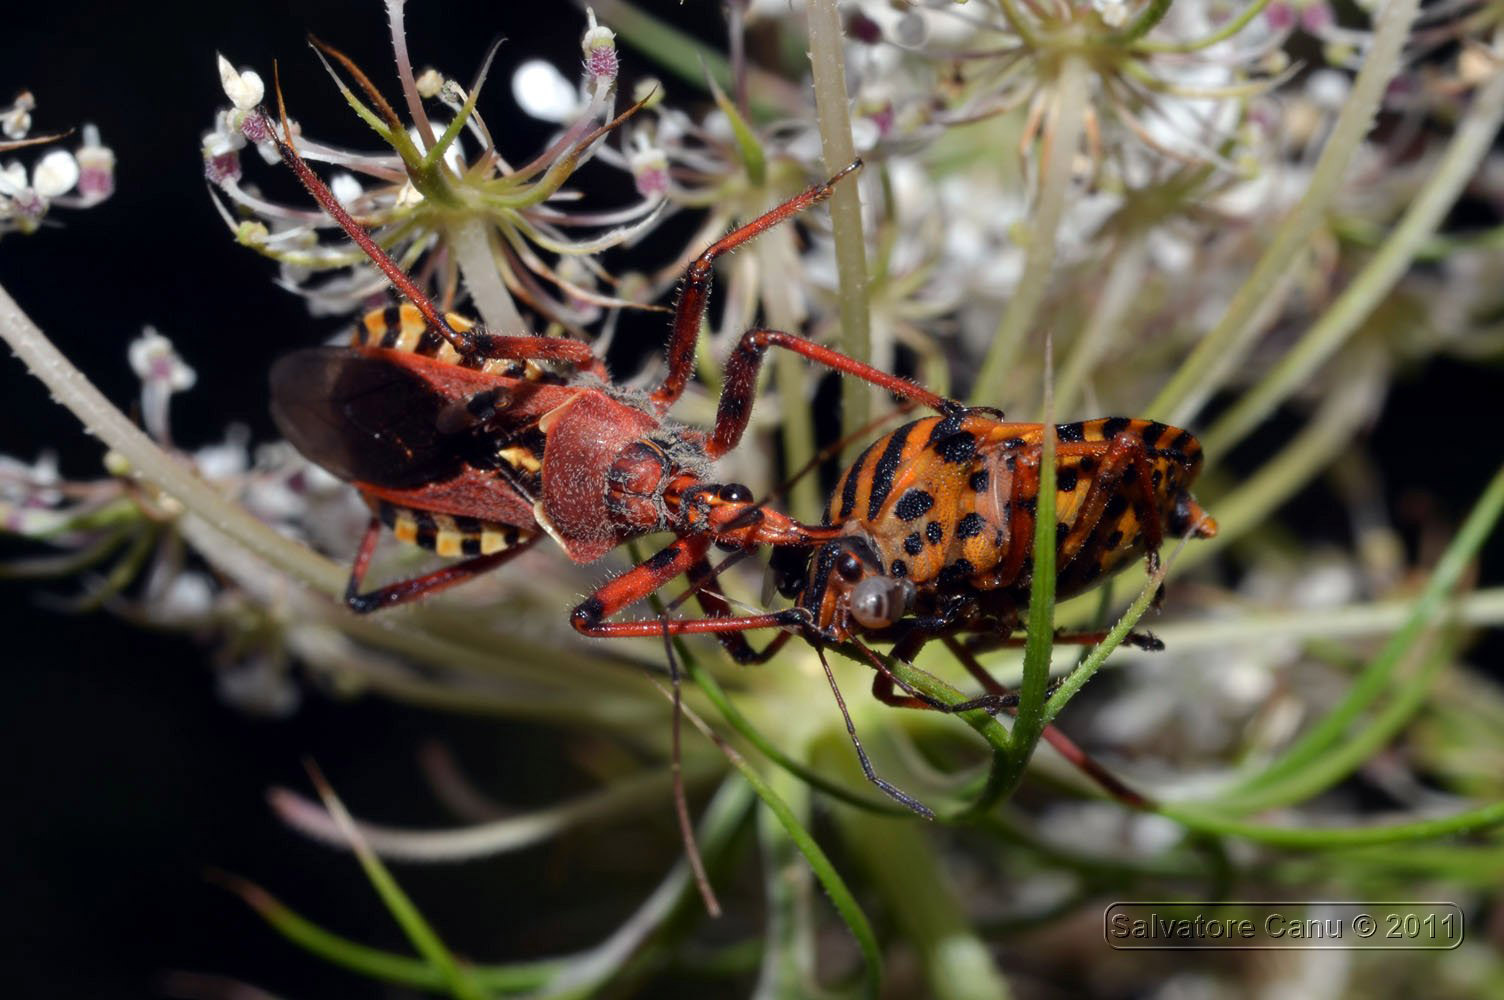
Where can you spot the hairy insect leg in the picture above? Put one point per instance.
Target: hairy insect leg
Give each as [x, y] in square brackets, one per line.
[740, 383]
[695, 290]
[589, 616]
[472, 343]
[404, 591]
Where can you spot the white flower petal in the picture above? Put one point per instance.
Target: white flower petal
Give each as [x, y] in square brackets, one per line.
[244, 90]
[55, 174]
[541, 90]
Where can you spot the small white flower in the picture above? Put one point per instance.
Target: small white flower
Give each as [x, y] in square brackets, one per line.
[12, 178]
[429, 83]
[541, 90]
[649, 166]
[244, 90]
[96, 164]
[154, 359]
[346, 188]
[15, 121]
[599, 45]
[1114, 13]
[55, 174]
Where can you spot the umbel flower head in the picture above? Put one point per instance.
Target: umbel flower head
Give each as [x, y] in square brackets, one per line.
[444, 200]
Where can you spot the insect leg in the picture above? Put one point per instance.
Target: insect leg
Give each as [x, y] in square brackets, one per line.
[695, 291]
[420, 586]
[740, 384]
[1124, 465]
[472, 343]
[589, 615]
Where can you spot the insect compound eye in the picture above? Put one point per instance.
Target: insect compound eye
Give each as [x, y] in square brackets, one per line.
[735, 493]
[879, 601]
[849, 567]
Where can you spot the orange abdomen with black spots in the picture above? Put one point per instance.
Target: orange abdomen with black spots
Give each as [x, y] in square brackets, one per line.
[949, 502]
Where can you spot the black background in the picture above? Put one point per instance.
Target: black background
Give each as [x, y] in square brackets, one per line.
[128, 778]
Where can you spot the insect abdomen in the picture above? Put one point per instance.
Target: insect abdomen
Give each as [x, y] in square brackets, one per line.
[447, 535]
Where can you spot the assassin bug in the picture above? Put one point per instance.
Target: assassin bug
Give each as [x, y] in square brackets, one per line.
[461, 444]
[936, 524]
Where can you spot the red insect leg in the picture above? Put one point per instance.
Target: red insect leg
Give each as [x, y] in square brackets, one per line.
[690, 308]
[471, 343]
[740, 384]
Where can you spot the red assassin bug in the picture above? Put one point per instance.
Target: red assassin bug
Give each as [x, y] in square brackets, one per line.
[464, 447]
[936, 525]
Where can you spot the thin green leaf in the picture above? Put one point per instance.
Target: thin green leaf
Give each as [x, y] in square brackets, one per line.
[835, 887]
[1374, 680]
[458, 982]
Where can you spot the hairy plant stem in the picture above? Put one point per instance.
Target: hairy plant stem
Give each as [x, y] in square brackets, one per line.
[1062, 137]
[1223, 348]
[828, 64]
[170, 474]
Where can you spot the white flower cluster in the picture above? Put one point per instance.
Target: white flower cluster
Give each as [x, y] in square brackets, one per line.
[77, 179]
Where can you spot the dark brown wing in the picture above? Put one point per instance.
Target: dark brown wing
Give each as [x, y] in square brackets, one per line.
[365, 418]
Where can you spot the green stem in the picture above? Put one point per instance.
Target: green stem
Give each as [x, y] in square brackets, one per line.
[1307, 838]
[788, 957]
[828, 65]
[1320, 739]
[1332, 766]
[1470, 143]
[1144, 23]
[1223, 33]
[1062, 138]
[1224, 348]
[901, 863]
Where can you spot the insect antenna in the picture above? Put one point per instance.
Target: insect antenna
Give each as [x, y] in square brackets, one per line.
[861, 755]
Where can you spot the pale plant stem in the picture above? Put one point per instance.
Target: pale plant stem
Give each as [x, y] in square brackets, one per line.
[1484, 609]
[588, 971]
[471, 243]
[483, 839]
[1062, 138]
[172, 475]
[828, 66]
[779, 270]
[901, 862]
[1123, 284]
[396, 15]
[1223, 349]
[1470, 143]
